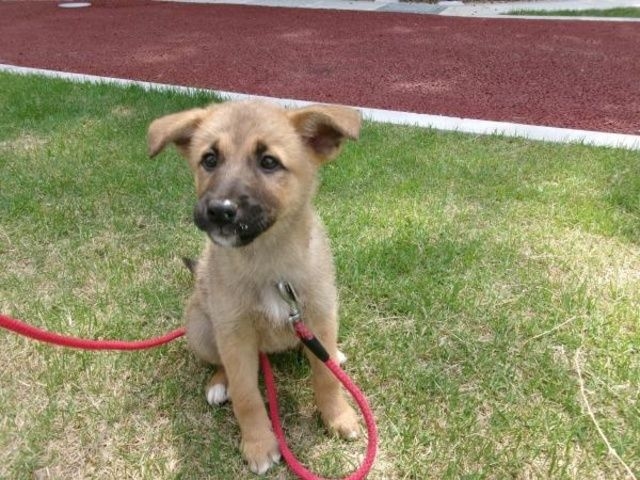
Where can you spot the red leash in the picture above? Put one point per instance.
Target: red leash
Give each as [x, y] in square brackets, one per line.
[85, 344]
[372, 444]
[305, 335]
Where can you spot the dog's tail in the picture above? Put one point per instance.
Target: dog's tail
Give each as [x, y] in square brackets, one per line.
[191, 264]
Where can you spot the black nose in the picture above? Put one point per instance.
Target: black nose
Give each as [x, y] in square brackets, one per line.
[222, 211]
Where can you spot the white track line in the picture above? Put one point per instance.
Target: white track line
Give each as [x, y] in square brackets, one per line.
[438, 122]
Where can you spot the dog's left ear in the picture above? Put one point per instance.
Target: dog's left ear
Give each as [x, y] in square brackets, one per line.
[177, 128]
[324, 128]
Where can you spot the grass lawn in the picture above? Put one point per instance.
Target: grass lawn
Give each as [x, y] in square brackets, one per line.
[490, 290]
[629, 12]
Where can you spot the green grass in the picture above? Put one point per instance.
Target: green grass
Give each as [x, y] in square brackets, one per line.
[478, 276]
[625, 12]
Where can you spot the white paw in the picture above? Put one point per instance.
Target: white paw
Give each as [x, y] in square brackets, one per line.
[353, 435]
[259, 468]
[262, 467]
[217, 394]
[341, 357]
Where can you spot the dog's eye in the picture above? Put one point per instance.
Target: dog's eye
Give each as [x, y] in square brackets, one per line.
[209, 161]
[269, 163]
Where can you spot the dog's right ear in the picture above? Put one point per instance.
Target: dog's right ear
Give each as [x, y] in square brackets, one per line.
[177, 128]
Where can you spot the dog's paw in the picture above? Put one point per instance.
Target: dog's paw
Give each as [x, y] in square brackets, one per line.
[345, 424]
[262, 453]
[341, 357]
[217, 394]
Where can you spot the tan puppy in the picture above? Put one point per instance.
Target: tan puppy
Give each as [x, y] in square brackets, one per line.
[255, 173]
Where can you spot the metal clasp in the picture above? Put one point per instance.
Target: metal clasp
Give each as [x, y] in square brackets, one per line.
[288, 294]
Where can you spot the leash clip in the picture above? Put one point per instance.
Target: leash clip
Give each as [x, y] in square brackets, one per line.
[288, 294]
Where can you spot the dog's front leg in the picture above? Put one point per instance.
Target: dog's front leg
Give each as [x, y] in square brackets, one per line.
[336, 412]
[240, 359]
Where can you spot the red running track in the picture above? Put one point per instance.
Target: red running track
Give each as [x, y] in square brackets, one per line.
[573, 74]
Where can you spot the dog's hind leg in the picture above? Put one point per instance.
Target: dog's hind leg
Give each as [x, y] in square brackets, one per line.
[201, 340]
[200, 334]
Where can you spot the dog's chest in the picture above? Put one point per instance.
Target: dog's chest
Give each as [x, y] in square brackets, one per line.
[273, 307]
[274, 332]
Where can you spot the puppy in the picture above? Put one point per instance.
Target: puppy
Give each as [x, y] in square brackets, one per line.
[255, 170]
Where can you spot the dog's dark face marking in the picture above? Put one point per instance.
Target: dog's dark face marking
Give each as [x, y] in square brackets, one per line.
[235, 207]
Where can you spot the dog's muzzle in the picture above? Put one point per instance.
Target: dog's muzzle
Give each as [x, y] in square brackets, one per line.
[230, 223]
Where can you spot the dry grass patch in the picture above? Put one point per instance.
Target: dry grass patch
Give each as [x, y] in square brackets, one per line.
[25, 143]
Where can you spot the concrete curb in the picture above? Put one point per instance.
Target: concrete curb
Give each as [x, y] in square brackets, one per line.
[438, 122]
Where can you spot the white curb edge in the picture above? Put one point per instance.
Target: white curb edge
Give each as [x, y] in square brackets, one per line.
[438, 122]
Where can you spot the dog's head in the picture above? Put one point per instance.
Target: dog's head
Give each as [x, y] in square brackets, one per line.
[254, 163]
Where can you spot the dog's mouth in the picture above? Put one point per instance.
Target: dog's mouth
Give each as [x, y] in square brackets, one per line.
[231, 225]
[233, 235]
